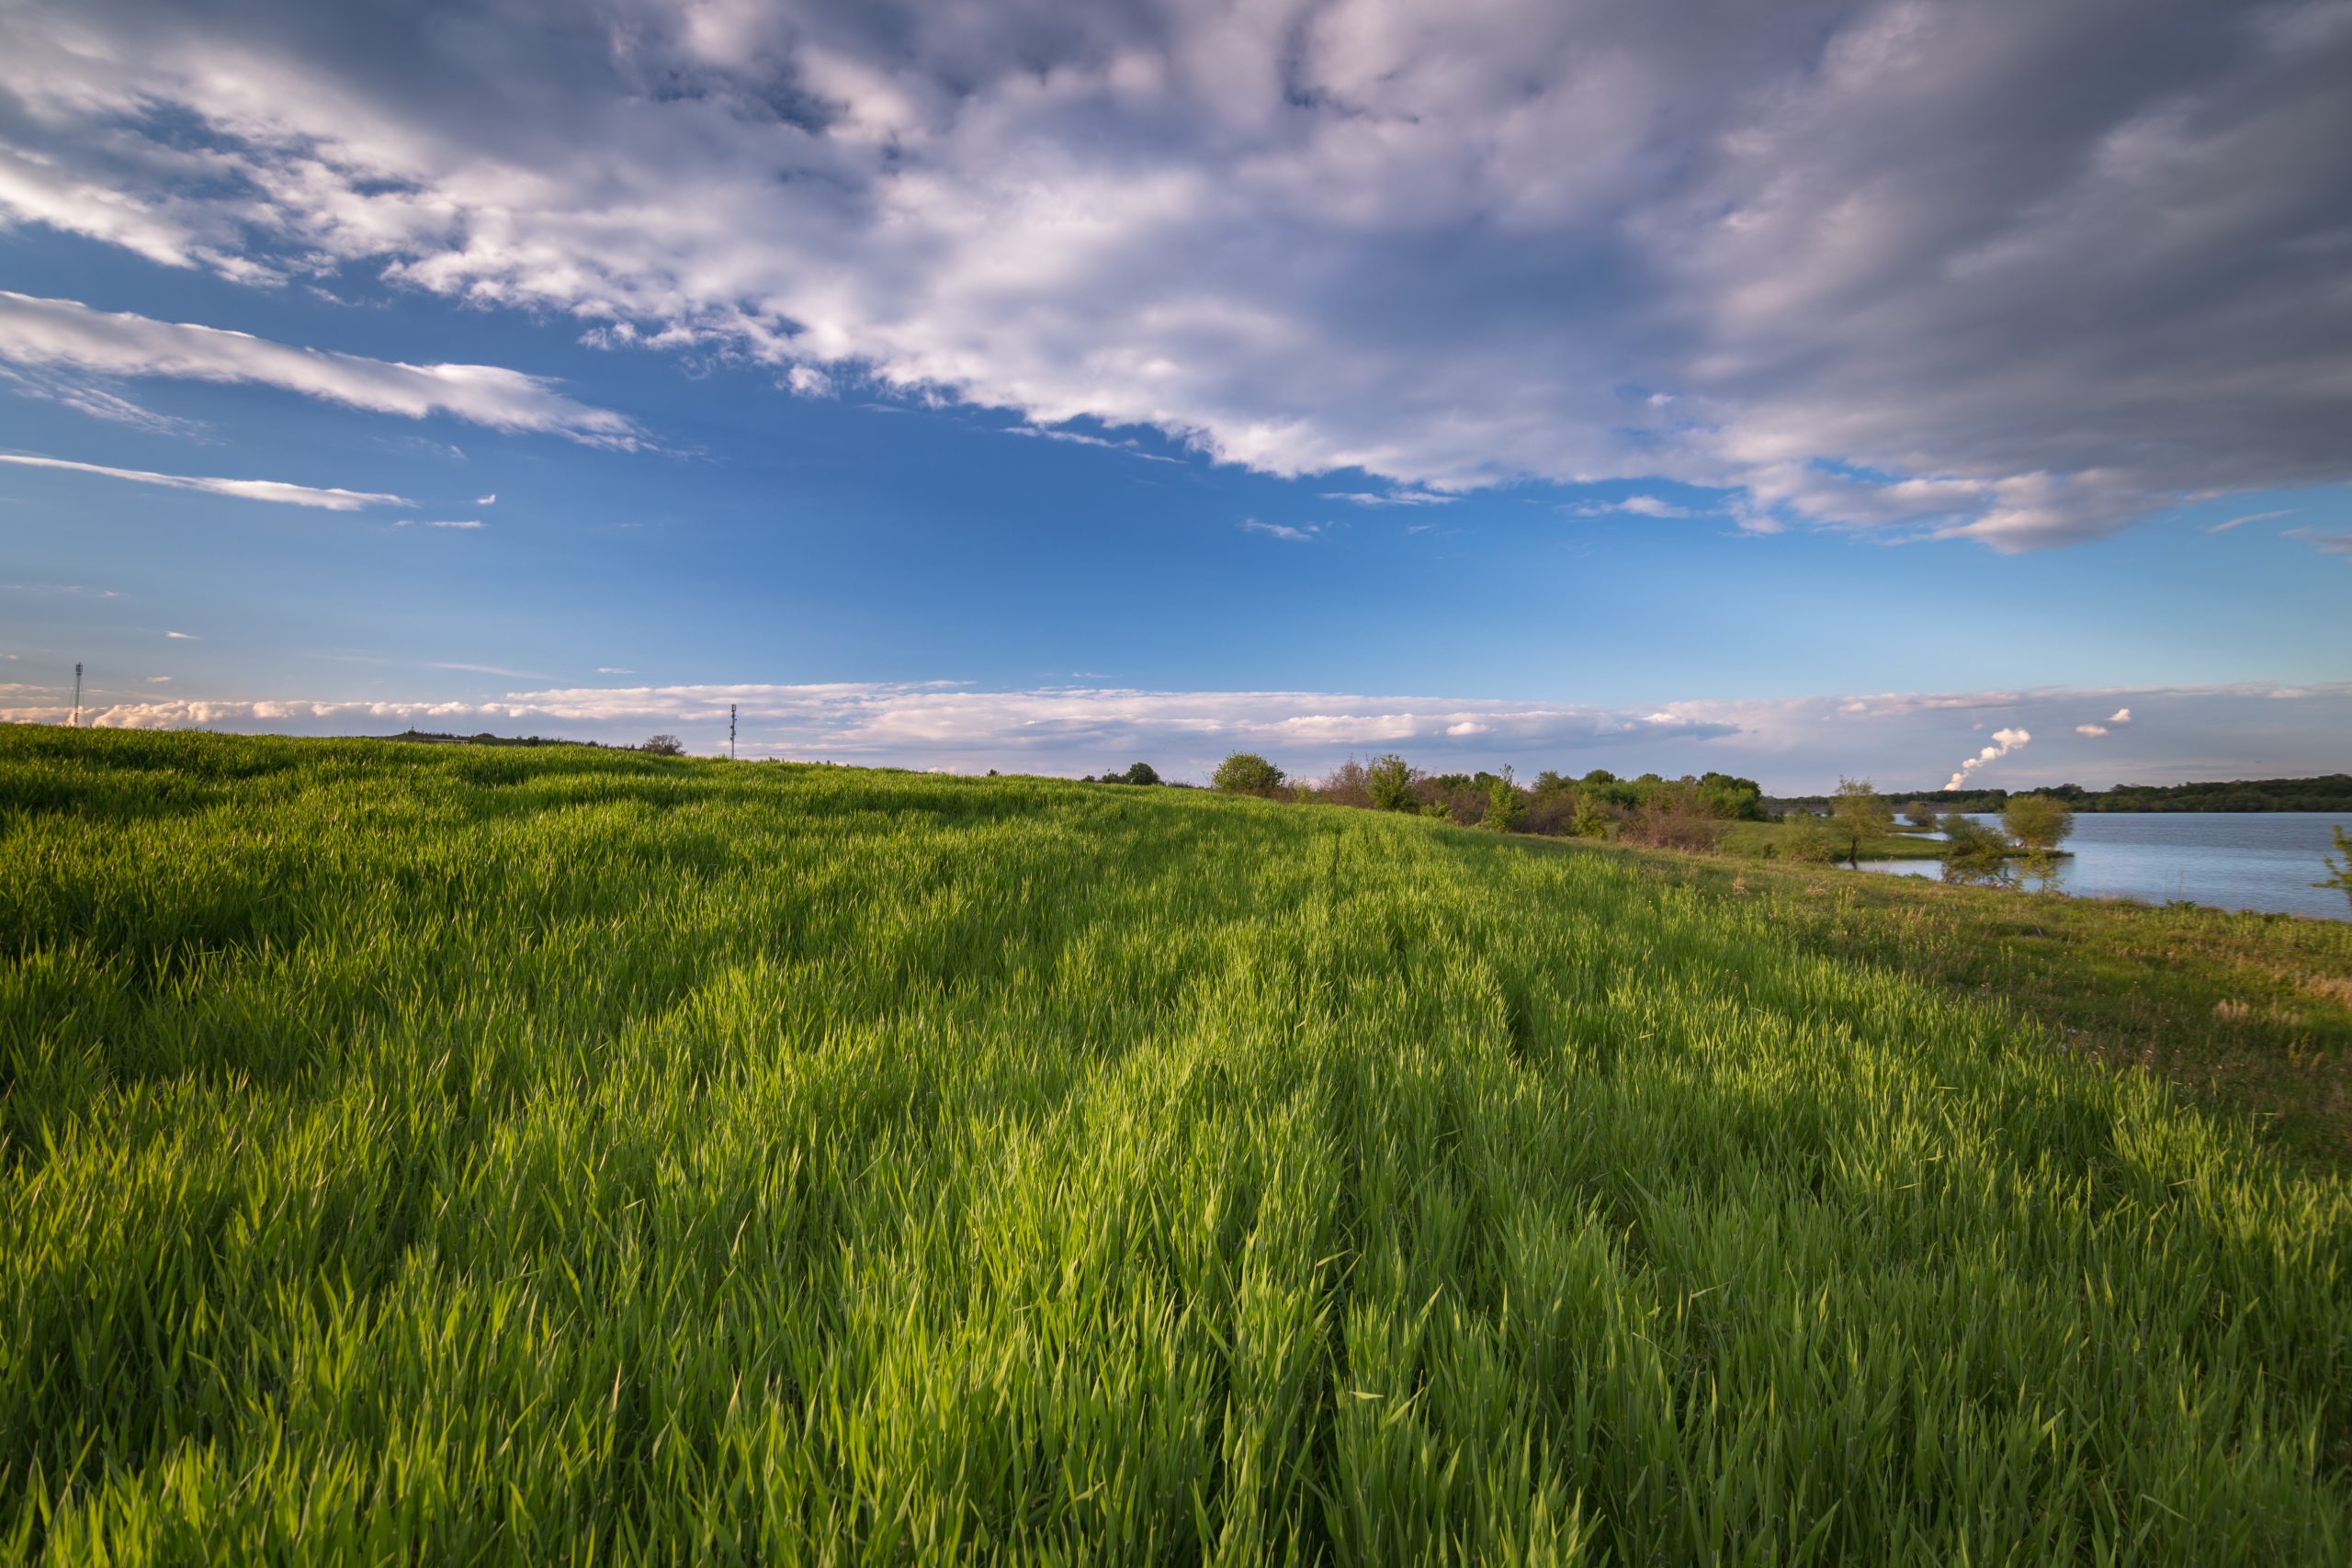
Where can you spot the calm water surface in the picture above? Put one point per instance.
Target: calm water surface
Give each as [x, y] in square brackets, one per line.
[2254, 859]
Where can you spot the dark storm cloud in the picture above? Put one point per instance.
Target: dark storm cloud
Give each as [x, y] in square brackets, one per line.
[2024, 272]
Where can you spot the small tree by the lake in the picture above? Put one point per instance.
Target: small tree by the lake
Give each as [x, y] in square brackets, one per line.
[1858, 813]
[2339, 870]
[2040, 823]
[1974, 852]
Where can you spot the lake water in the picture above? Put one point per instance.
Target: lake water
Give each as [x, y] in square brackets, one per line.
[2254, 859]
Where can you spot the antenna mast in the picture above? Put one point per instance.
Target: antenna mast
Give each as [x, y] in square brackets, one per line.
[730, 732]
[76, 720]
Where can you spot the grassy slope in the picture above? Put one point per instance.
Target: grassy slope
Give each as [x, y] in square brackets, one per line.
[535, 1154]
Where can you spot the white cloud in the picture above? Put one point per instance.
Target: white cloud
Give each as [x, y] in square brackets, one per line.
[183, 636]
[486, 500]
[1404, 497]
[455, 523]
[2121, 715]
[159, 679]
[2004, 742]
[1651, 506]
[2092, 730]
[1313, 240]
[1130, 446]
[613, 669]
[276, 490]
[1305, 532]
[1632, 505]
[69, 335]
[2249, 517]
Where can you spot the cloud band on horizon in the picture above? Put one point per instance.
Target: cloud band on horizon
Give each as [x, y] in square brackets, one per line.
[1793, 745]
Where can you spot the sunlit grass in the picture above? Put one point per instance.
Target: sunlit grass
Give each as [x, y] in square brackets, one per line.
[446, 1154]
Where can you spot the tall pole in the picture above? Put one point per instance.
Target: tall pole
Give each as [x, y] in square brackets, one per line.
[730, 732]
[77, 693]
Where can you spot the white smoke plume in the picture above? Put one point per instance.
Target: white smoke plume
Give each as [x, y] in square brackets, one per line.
[2004, 742]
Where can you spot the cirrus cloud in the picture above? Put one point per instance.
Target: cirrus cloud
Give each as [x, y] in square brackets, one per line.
[276, 490]
[67, 334]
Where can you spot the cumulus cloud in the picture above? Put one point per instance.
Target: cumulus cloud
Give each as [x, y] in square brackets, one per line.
[2004, 742]
[2090, 729]
[490, 500]
[278, 490]
[67, 334]
[2016, 274]
[2121, 715]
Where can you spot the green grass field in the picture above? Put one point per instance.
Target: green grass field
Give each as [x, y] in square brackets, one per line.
[445, 1155]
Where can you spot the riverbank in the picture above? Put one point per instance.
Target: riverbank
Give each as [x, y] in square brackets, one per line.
[1775, 841]
[2250, 1015]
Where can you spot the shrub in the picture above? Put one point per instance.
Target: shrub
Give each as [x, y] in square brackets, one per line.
[1812, 843]
[1246, 772]
[664, 746]
[1388, 784]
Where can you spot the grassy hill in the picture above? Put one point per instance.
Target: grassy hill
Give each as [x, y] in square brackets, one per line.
[451, 1154]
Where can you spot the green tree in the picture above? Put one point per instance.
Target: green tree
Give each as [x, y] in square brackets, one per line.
[2340, 873]
[1974, 852]
[1921, 815]
[1503, 803]
[1139, 773]
[1389, 782]
[2040, 823]
[664, 746]
[1858, 813]
[1246, 772]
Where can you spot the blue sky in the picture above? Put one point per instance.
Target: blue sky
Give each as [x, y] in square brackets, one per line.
[1113, 412]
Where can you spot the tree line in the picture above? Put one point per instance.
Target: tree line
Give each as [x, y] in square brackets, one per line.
[1689, 812]
[2327, 792]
